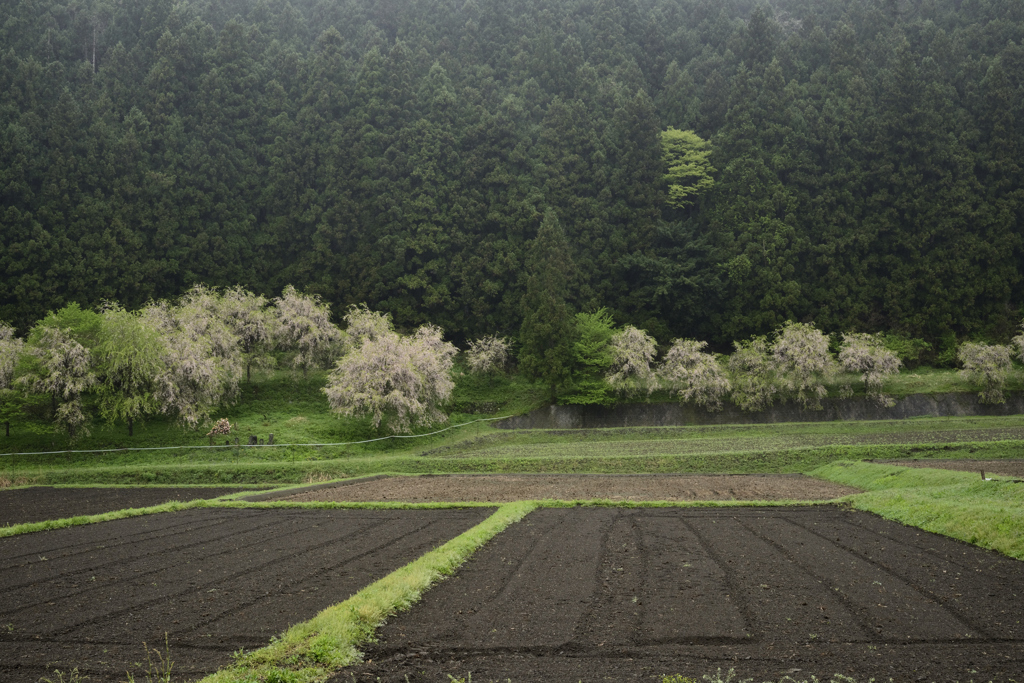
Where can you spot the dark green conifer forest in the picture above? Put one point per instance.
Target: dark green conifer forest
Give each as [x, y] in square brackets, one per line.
[867, 158]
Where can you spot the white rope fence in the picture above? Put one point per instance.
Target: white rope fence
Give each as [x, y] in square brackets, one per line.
[262, 445]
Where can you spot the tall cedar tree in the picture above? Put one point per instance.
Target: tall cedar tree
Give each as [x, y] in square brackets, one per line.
[547, 334]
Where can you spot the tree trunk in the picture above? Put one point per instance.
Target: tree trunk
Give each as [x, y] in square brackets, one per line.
[131, 424]
[7, 427]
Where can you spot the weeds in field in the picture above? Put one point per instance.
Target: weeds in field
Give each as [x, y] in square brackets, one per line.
[319, 477]
[157, 670]
[72, 677]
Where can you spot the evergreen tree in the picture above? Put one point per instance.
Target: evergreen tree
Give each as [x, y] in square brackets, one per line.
[546, 335]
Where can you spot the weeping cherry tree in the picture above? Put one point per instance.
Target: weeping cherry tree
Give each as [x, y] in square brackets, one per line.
[694, 374]
[399, 380]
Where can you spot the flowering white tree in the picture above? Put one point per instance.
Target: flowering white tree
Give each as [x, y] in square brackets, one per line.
[1018, 344]
[247, 316]
[487, 353]
[866, 354]
[130, 356]
[201, 361]
[11, 348]
[198, 315]
[988, 366]
[693, 374]
[362, 324]
[801, 354]
[389, 377]
[304, 325]
[64, 371]
[754, 378]
[632, 351]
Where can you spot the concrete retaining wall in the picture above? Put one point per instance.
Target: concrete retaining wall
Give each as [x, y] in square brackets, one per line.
[674, 414]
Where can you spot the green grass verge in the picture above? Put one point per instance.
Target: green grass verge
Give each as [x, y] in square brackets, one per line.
[960, 505]
[313, 650]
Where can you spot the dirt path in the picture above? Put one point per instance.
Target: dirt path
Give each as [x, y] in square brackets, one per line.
[214, 580]
[609, 594]
[495, 488]
[39, 503]
[1009, 468]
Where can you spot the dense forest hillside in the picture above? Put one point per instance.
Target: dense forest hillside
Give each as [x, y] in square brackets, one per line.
[868, 158]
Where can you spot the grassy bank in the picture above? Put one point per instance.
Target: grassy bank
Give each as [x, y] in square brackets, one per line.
[315, 649]
[961, 505]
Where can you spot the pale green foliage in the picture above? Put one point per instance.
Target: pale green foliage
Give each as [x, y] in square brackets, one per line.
[11, 349]
[867, 354]
[130, 355]
[804, 363]
[197, 377]
[754, 378]
[304, 325]
[404, 380]
[64, 371]
[689, 172]
[632, 351]
[1018, 344]
[693, 374]
[988, 366]
[592, 357]
[487, 353]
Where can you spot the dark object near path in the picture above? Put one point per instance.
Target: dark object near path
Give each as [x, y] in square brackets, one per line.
[215, 580]
[40, 503]
[1007, 467]
[590, 594]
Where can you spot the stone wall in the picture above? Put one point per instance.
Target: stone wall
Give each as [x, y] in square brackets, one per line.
[675, 414]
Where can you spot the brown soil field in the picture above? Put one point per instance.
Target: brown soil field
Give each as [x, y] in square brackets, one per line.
[1009, 468]
[500, 488]
[213, 580]
[40, 503]
[610, 594]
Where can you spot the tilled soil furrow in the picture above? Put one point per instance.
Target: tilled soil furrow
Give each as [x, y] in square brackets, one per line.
[298, 583]
[883, 602]
[47, 568]
[528, 613]
[969, 583]
[361, 546]
[778, 599]
[195, 576]
[40, 503]
[687, 592]
[613, 617]
[108, 537]
[131, 570]
[499, 561]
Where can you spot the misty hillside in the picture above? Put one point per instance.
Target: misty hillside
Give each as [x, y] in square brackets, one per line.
[868, 157]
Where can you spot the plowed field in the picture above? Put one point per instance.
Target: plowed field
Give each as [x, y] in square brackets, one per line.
[505, 488]
[39, 503]
[214, 580]
[591, 594]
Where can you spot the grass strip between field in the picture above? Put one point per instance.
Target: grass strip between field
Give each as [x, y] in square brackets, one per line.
[313, 650]
[961, 505]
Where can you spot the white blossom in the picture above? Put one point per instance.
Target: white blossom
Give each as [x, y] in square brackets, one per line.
[400, 380]
[632, 351]
[693, 374]
[988, 366]
[487, 353]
